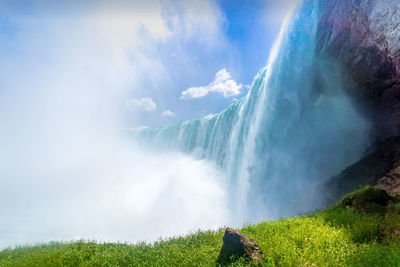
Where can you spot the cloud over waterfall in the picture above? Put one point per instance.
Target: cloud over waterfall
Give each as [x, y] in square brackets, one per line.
[168, 113]
[222, 83]
[142, 104]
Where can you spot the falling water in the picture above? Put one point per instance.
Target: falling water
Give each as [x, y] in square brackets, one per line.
[294, 128]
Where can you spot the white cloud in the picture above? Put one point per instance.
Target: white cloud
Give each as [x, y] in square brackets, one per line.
[142, 104]
[209, 115]
[222, 83]
[168, 113]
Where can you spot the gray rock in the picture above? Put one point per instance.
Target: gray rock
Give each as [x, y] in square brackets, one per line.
[237, 245]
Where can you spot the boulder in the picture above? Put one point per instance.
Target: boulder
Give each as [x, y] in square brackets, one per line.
[237, 245]
[368, 200]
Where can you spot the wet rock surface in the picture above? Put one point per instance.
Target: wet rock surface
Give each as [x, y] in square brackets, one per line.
[237, 245]
[380, 167]
[363, 36]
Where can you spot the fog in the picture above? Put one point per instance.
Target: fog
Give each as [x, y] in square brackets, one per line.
[67, 168]
[106, 190]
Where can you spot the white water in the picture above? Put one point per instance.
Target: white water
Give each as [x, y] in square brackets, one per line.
[295, 128]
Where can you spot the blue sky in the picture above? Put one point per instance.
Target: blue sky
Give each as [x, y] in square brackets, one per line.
[132, 59]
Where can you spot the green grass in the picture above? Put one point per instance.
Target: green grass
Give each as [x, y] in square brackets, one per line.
[333, 237]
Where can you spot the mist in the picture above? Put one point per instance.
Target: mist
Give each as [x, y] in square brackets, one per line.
[106, 190]
[68, 169]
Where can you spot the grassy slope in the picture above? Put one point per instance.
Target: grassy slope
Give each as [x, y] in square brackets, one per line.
[333, 237]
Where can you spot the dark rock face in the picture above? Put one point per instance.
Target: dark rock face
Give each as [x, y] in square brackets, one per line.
[381, 167]
[364, 36]
[237, 245]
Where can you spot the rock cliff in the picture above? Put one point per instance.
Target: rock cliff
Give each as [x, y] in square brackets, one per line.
[364, 37]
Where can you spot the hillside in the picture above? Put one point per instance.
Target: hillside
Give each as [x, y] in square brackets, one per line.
[338, 236]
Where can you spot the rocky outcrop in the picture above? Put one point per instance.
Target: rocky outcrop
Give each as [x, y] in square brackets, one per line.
[363, 36]
[380, 167]
[369, 200]
[237, 245]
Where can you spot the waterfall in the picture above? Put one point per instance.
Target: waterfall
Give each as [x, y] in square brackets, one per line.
[295, 128]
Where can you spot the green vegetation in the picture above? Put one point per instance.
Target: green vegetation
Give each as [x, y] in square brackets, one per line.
[338, 236]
